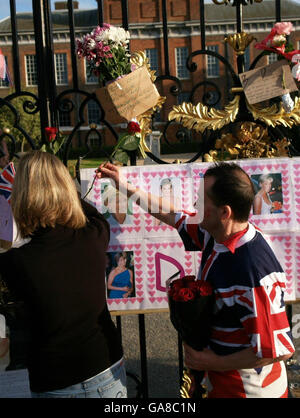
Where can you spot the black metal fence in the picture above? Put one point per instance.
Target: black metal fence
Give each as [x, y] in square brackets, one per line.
[47, 103]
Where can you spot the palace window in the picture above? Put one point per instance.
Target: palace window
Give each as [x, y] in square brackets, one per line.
[90, 79]
[61, 69]
[31, 70]
[181, 55]
[273, 57]
[212, 62]
[64, 118]
[152, 55]
[93, 112]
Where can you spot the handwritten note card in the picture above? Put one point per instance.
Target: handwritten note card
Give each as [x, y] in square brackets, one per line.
[129, 96]
[266, 82]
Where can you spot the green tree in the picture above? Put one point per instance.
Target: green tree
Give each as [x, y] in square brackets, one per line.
[21, 116]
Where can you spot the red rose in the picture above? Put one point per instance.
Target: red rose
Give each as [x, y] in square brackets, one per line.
[175, 296]
[204, 288]
[177, 284]
[186, 294]
[50, 133]
[133, 127]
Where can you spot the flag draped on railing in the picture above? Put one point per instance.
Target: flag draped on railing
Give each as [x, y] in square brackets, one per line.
[6, 180]
[4, 73]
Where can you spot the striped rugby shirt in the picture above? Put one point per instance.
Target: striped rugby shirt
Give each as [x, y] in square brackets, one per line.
[249, 310]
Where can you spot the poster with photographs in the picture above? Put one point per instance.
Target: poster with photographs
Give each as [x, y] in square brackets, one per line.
[143, 253]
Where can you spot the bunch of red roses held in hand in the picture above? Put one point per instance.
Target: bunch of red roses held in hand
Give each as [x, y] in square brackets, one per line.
[187, 288]
[191, 305]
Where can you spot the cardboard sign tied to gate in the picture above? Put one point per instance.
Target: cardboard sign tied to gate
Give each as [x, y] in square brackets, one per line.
[128, 97]
[266, 82]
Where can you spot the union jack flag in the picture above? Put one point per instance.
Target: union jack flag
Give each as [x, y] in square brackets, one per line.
[6, 180]
[4, 73]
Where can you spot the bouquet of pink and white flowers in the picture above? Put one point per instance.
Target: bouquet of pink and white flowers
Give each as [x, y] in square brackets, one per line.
[106, 52]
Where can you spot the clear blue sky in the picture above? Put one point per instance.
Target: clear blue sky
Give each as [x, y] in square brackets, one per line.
[26, 6]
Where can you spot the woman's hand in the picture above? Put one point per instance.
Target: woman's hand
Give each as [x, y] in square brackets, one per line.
[109, 170]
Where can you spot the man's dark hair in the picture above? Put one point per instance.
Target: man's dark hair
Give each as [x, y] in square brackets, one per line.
[232, 187]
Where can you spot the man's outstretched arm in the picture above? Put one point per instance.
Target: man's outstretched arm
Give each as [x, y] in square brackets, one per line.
[155, 205]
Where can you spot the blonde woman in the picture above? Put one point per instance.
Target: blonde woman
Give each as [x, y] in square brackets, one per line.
[262, 204]
[75, 350]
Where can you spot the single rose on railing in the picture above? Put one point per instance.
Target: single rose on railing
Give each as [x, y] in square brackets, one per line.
[133, 127]
[51, 133]
[128, 141]
[54, 140]
[191, 306]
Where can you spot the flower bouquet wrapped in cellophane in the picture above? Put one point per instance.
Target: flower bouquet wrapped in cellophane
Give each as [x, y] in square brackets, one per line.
[191, 305]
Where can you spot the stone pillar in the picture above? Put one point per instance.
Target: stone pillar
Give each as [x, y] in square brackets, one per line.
[153, 142]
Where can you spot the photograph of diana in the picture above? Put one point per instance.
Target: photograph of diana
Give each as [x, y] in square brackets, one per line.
[168, 189]
[268, 198]
[114, 209]
[120, 275]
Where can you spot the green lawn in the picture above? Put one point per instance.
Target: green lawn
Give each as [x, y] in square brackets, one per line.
[85, 163]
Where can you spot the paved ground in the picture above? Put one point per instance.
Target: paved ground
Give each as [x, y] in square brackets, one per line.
[162, 354]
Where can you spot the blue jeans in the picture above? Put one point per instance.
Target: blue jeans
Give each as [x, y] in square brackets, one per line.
[110, 383]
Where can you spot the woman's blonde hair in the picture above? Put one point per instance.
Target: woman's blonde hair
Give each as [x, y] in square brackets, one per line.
[44, 194]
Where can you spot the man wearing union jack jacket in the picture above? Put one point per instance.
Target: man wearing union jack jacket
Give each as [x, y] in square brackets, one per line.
[250, 336]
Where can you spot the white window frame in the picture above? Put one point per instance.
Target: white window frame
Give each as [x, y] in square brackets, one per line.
[61, 117]
[89, 80]
[93, 107]
[31, 73]
[212, 63]
[61, 72]
[152, 55]
[273, 57]
[181, 71]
